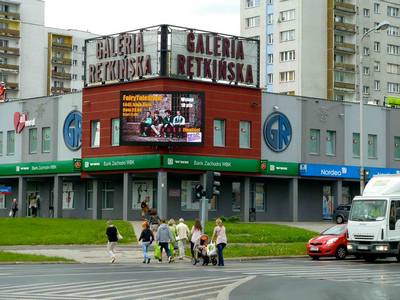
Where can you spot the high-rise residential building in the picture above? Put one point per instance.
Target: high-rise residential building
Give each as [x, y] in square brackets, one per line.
[32, 63]
[312, 48]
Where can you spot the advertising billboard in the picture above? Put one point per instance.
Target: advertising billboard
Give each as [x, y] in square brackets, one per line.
[162, 118]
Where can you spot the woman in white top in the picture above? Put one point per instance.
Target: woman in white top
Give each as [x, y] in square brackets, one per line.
[196, 234]
[219, 235]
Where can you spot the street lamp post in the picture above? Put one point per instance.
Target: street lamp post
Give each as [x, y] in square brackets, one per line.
[381, 26]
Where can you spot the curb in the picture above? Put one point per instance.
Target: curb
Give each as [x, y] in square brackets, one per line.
[38, 262]
[250, 258]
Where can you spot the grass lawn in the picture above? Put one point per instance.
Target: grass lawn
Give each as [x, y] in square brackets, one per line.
[18, 257]
[274, 249]
[38, 231]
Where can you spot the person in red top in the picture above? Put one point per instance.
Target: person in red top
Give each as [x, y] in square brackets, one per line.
[2, 92]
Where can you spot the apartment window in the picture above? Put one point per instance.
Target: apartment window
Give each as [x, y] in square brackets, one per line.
[107, 195]
[356, 144]
[270, 78]
[377, 7]
[10, 142]
[339, 38]
[115, 132]
[287, 35]
[59, 55]
[372, 146]
[339, 97]
[58, 84]
[3, 43]
[393, 49]
[252, 22]
[393, 68]
[365, 30]
[3, 77]
[377, 66]
[33, 140]
[377, 85]
[270, 58]
[397, 147]
[287, 76]
[236, 196]
[46, 139]
[314, 143]
[366, 90]
[258, 196]
[330, 143]
[392, 11]
[3, 25]
[244, 135]
[1, 143]
[366, 51]
[339, 58]
[89, 195]
[377, 47]
[393, 31]
[4, 8]
[75, 47]
[3, 60]
[59, 40]
[270, 38]
[252, 3]
[219, 133]
[287, 55]
[393, 87]
[74, 62]
[366, 12]
[74, 76]
[339, 76]
[270, 19]
[366, 70]
[95, 134]
[270, 2]
[287, 15]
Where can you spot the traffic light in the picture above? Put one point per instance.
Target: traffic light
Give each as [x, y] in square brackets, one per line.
[212, 184]
[198, 191]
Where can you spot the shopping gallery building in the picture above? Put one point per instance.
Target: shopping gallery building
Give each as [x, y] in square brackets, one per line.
[161, 107]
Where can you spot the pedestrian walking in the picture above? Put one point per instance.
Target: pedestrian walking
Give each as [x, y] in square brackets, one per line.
[219, 235]
[147, 238]
[172, 228]
[112, 235]
[14, 207]
[182, 236]
[196, 234]
[163, 237]
[145, 207]
[154, 221]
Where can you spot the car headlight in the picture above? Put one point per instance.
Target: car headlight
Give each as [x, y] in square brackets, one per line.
[349, 247]
[331, 241]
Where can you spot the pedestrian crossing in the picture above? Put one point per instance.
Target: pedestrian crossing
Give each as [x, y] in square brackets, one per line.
[160, 287]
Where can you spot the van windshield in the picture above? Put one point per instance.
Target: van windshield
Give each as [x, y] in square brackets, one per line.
[368, 210]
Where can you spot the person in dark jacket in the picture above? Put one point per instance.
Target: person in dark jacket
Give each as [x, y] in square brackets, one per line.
[112, 235]
[164, 237]
[147, 238]
[14, 207]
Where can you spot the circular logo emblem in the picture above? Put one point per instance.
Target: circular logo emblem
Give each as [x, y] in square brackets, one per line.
[72, 130]
[277, 132]
[263, 165]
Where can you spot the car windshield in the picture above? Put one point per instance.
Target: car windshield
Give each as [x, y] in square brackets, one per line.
[368, 210]
[335, 230]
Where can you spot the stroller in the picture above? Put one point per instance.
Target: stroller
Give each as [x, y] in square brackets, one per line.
[204, 251]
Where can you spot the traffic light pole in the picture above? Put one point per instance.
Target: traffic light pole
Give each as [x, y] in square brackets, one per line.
[204, 212]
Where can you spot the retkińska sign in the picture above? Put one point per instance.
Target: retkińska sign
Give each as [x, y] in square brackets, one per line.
[175, 52]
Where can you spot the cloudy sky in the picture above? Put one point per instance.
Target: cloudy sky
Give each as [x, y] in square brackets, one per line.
[112, 16]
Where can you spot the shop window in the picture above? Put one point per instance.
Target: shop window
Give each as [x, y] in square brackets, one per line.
[314, 143]
[1, 143]
[107, 195]
[142, 190]
[244, 134]
[397, 147]
[68, 195]
[95, 134]
[236, 195]
[115, 132]
[188, 199]
[330, 143]
[327, 202]
[89, 195]
[32, 140]
[10, 142]
[2, 201]
[372, 146]
[46, 139]
[356, 144]
[219, 133]
[258, 196]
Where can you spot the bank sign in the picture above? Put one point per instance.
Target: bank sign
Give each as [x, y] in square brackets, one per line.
[334, 171]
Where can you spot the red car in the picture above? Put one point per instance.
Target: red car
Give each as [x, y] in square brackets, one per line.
[331, 242]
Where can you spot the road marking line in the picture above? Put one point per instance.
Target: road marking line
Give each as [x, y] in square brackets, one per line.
[226, 291]
[29, 286]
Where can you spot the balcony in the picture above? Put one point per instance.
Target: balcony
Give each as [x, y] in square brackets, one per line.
[345, 7]
[346, 47]
[9, 67]
[11, 85]
[59, 90]
[61, 46]
[61, 75]
[9, 51]
[9, 33]
[345, 27]
[345, 67]
[62, 61]
[345, 85]
[9, 15]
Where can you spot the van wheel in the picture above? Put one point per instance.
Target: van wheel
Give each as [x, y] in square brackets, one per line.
[341, 253]
[339, 220]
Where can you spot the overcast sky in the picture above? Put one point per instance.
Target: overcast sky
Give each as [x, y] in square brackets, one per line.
[112, 16]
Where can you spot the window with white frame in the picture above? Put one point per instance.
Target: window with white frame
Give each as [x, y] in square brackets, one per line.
[366, 51]
[115, 132]
[10, 142]
[107, 195]
[330, 146]
[270, 2]
[270, 78]
[377, 66]
[252, 3]
[366, 12]
[314, 143]
[393, 87]
[392, 11]
[366, 70]
[4, 43]
[366, 90]
[365, 30]
[339, 38]
[377, 85]
[339, 76]
[46, 139]
[270, 38]
[393, 68]
[372, 146]
[397, 147]
[33, 140]
[393, 49]
[244, 135]
[287, 15]
[339, 58]
[252, 22]
[287, 35]
[258, 196]
[377, 46]
[287, 55]
[287, 76]
[219, 133]
[95, 134]
[270, 19]
[377, 8]
[356, 144]
[270, 58]
[393, 30]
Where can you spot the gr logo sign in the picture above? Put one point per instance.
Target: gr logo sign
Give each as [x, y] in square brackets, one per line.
[277, 132]
[72, 130]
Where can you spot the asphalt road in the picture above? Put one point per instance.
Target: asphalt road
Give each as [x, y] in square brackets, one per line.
[269, 279]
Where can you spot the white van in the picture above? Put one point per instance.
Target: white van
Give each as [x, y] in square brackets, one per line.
[374, 221]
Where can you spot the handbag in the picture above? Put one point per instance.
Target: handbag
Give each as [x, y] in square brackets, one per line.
[119, 236]
[157, 252]
[211, 249]
[10, 213]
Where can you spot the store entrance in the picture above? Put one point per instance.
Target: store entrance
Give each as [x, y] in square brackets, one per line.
[33, 200]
